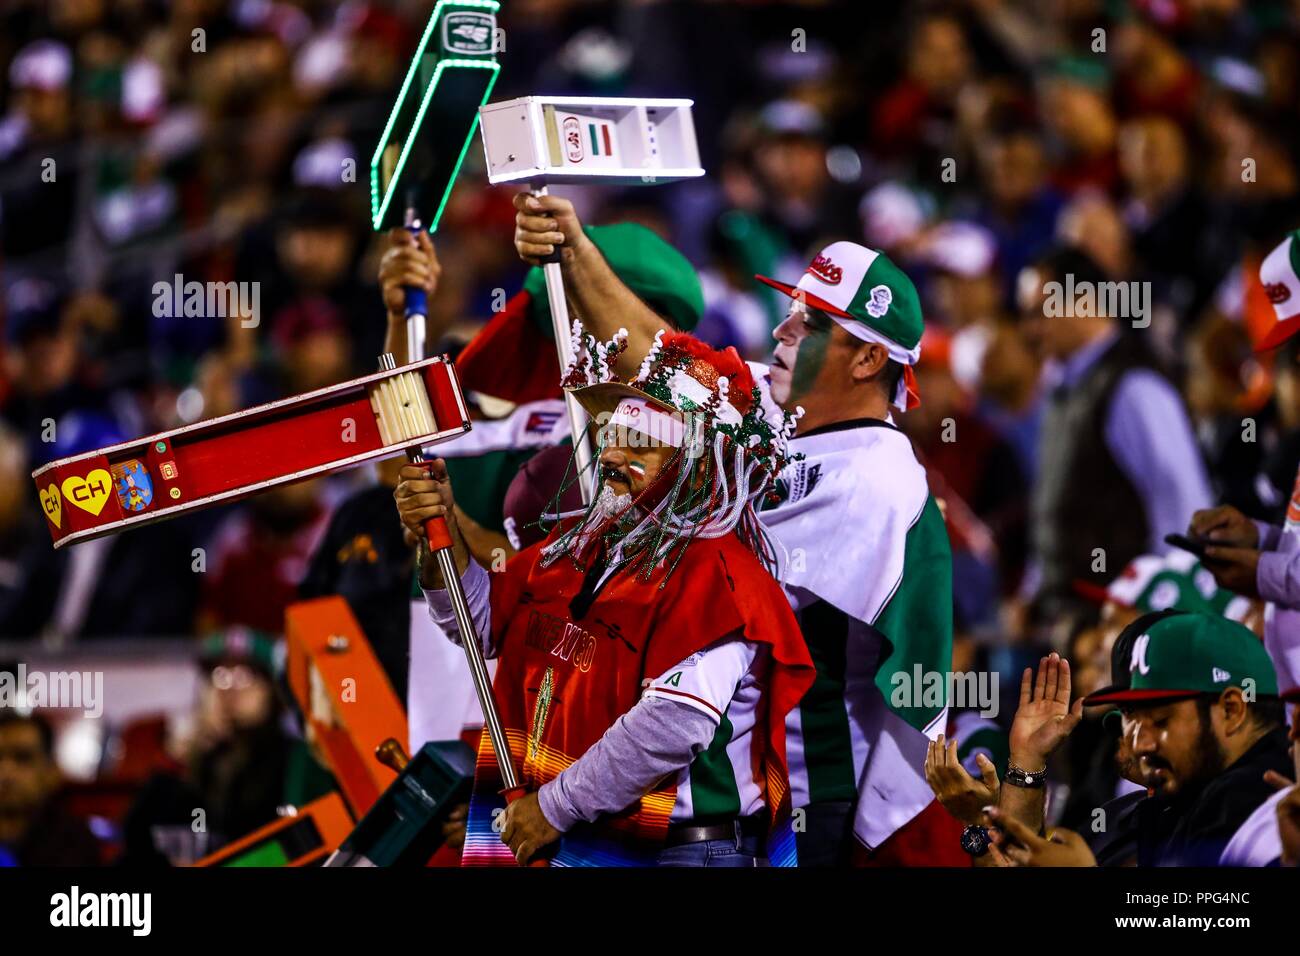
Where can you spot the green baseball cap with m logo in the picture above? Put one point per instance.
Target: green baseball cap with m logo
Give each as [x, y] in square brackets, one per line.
[1185, 655]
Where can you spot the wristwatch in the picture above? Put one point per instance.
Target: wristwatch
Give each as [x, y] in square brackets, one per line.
[1020, 777]
[975, 840]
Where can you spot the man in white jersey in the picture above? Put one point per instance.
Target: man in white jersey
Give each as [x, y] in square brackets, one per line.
[867, 565]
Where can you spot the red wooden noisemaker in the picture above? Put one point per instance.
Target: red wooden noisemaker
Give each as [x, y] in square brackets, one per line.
[225, 459]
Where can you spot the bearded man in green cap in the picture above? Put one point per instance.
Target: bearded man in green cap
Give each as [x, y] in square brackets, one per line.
[1200, 710]
[866, 563]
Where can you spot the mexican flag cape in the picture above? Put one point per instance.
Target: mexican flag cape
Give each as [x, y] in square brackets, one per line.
[510, 357]
[867, 560]
[566, 673]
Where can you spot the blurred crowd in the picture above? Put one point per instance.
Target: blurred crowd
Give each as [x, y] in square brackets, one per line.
[228, 140]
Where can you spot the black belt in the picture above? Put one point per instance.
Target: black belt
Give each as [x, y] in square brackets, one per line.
[699, 831]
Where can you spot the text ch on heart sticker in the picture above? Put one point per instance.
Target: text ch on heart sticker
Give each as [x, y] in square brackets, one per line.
[52, 505]
[90, 493]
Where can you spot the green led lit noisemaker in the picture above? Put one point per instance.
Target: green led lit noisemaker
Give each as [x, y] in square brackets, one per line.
[411, 176]
[435, 114]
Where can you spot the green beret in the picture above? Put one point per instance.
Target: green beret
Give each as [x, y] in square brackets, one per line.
[659, 274]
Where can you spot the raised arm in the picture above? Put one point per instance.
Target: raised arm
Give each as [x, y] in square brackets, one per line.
[1043, 720]
[423, 494]
[595, 293]
[408, 260]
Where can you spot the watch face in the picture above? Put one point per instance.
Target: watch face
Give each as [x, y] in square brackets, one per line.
[975, 840]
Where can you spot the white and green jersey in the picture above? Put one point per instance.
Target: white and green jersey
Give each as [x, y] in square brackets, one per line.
[724, 682]
[868, 568]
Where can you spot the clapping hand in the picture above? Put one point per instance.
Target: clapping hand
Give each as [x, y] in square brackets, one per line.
[960, 794]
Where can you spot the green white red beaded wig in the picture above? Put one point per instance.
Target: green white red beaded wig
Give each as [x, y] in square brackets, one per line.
[729, 445]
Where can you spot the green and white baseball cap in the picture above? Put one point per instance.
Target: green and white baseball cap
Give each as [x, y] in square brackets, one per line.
[871, 299]
[1184, 655]
[1279, 273]
[1153, 582]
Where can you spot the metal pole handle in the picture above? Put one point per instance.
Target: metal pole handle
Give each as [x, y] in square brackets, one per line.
[560, 326]
[512, 788]
[440, 545]
[439, 541]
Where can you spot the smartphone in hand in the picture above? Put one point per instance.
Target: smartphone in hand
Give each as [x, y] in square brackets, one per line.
[1196, 546]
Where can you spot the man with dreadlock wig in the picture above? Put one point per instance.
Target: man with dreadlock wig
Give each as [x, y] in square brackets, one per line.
[866, 559]
[646, 658]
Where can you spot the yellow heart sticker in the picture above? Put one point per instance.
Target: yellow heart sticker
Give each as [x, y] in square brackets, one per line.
[52, 504]
[89, 493]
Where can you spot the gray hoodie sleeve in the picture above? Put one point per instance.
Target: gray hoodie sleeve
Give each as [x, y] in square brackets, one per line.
[657, 738]
[653, 740]
[478, 590]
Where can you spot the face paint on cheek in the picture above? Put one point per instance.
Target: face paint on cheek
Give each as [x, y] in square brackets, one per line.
[808, 361]
[637, 469]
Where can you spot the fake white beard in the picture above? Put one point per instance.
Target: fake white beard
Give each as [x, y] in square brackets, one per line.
[609, 512]
[609, 505]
